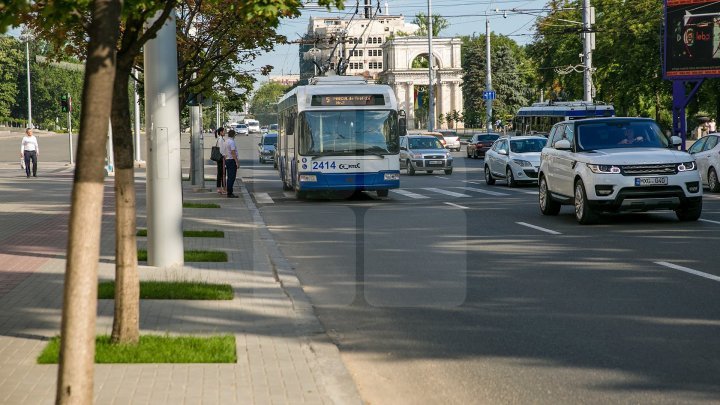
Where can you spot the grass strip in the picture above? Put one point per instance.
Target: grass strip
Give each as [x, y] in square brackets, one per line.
[155, 349]
[200, 205]
[193, 256]
[173, 290]
[192, 234]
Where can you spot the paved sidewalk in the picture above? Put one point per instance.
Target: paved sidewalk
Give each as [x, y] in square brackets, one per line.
[284, 355]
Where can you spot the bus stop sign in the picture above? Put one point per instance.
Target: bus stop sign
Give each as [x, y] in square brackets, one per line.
[488, 95]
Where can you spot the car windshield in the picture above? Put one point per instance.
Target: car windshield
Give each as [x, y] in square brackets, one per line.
[274, 126]
[242, 126]
[488, 138]
[527, 145]
[270, 140]
[620, 134]
[349, 132]
[425, 143]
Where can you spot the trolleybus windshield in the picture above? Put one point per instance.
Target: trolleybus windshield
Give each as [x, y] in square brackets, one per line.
[349, 132]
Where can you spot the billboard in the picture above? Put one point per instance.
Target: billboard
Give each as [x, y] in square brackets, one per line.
[692, 39]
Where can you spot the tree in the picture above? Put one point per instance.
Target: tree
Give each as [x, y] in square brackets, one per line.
[439, 23]
[263, 105]
[509, 83]
[10, 57]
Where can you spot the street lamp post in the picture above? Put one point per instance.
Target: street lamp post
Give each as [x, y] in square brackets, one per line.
[26, 37]
[431, 96]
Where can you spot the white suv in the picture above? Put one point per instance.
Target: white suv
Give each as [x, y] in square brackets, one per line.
[614, 165]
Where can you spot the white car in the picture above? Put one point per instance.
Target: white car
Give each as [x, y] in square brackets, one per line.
[253, 126]
[242, 129]
[615, 165]
[515, 160]
[706, 151]
[452, 140]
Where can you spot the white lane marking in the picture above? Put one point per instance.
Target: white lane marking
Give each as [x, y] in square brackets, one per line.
[263, 198]
[519, 190]
[539, 228]
[480, 190]
[289, 194]
[409, 194]
[457, 206]
[707, 220]
[443, 177]
[474, 181]
[689, 270]
[446, 192]
[712, 197]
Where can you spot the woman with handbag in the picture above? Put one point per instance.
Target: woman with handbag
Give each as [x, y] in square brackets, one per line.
[220, 159]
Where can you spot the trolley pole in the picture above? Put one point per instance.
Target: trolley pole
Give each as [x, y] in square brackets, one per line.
[488, 76]
[588, 45]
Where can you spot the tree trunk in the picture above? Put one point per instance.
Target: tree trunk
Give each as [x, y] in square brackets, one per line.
[127, 283]
[77, 347]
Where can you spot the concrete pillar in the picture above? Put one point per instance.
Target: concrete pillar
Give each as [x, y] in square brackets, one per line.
[162, 127]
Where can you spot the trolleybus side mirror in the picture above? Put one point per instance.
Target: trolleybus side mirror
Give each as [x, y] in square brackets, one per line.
[402, 122]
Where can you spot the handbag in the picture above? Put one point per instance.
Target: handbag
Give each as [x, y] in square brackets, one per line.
[22, 164]
[215, 154]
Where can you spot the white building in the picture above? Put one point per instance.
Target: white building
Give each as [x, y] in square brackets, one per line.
[357, 41]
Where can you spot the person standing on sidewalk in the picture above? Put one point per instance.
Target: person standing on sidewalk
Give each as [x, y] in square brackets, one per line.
[232, 163]
[29, 151]
[220, 143]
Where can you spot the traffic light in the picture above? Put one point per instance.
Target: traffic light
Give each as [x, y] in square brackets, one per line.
[65, 103]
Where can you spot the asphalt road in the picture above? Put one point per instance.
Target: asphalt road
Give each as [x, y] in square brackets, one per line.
[453, 291]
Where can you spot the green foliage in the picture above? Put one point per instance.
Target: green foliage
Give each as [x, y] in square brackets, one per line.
[200, 205]
[508, 81]
[173, 290]
[263, 105]
[193, 256]
[439, 23]
[155, 349]
[10, 67]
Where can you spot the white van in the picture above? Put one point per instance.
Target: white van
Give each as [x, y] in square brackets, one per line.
[253, 126]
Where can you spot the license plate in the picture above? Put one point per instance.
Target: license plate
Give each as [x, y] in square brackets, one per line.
[435, 162]
[651, 181]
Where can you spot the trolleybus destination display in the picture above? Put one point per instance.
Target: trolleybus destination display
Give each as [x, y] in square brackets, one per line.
[692, 39]
[347, 99]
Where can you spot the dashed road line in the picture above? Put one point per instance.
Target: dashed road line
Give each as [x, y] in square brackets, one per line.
[519, 190]
[539, 228]
[263, 198]
[707, 220]
[689, 270]
[457, 206]
[446, 192]
[483, 191]
[409, 194]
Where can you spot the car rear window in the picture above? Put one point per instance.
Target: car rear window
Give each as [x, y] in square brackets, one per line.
[486, 138]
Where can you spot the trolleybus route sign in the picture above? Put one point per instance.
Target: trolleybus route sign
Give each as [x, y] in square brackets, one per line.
[347, 100]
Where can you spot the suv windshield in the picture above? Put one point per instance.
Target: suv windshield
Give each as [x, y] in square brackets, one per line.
[270, 140]
[527, 145]
[349, 132]
[620, 134]
[425, 143]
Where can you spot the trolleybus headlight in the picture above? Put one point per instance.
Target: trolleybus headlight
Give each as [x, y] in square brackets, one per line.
[308, 178]
[392, 176]
[686, 166]
[603, 169]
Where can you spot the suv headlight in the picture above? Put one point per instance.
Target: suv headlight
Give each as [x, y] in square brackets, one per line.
[416, 155]
[686, 166]
[603, 169]
[521, 162]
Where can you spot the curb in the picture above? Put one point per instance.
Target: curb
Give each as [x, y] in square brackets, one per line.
[339, 386]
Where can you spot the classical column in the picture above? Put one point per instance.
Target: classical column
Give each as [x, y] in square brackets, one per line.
[441, 105]
[410, 105]
[458, 100]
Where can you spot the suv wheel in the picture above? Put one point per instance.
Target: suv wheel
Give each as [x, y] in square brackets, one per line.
[488, 176]
[713, 181]
[448, 171]
[548, 206]
[583, 213]
[410, 168]
[689, 211]
[510, 178]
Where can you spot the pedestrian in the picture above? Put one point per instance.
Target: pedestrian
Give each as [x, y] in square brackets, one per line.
[29, 151]
[231, 163]
[220, 143]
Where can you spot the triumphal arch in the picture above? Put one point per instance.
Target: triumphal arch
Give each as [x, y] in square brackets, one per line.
[406, 70]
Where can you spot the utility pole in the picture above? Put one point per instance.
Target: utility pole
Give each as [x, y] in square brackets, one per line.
[162, 128]
[588, 46]
[197, 151]
[431, 95]
[488, 76]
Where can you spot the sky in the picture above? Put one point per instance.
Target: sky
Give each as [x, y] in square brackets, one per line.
[466, 17]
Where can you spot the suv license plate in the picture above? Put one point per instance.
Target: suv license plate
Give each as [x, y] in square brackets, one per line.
[651, 181]
[435, 162]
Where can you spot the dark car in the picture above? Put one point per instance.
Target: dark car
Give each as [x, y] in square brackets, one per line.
[480, 143]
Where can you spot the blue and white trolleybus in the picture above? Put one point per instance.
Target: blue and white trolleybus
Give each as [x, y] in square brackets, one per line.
[339, 133]
[540, 117]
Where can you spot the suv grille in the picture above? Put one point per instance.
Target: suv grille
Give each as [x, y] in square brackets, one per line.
[641, 170]
[434, 156]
